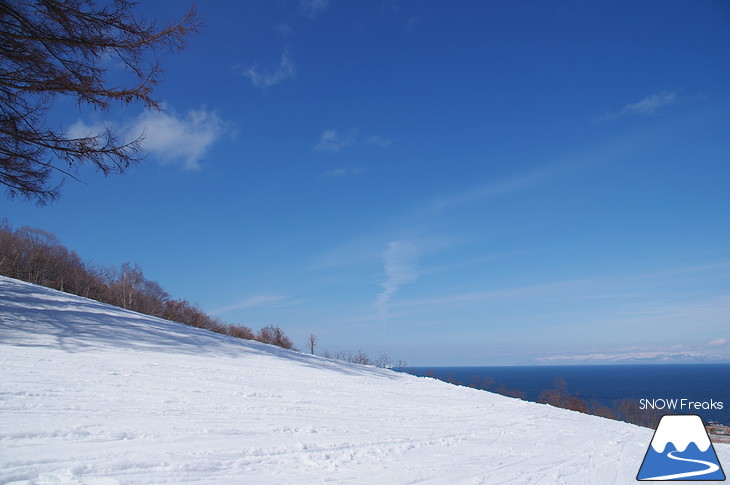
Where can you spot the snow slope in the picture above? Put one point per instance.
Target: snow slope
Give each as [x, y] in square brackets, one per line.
[92, 394]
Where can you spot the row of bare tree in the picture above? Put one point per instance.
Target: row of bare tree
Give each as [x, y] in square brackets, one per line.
[361, 357]
[626, 410]
[37, 256]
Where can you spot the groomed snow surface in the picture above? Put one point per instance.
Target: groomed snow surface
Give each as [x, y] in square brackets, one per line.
[92, 394]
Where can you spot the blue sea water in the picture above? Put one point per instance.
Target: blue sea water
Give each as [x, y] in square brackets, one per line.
[704, 383]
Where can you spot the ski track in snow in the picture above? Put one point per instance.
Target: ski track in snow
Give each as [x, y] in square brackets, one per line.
[92, 394]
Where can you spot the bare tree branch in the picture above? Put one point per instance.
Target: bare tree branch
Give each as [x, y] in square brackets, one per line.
[51, 48]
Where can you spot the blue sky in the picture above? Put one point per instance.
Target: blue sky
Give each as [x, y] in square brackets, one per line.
[467, 183]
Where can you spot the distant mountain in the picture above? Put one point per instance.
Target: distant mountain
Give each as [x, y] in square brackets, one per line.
[642, 357]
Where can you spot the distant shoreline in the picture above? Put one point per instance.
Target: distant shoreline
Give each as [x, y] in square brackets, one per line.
[618, 391]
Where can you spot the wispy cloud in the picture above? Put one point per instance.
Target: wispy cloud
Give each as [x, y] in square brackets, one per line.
[179, 139]
[633, 307]
[273, 75]
[380, 141]
[343, 172]
[648, 106]
[284, 29]
[412, 24]
[333, 142]
[355, 252]
[503, 187]
[719, 342]
[277, 301]
[81, 129]
[485, 296]
[685, 272]
[401, 267]
[310, 8]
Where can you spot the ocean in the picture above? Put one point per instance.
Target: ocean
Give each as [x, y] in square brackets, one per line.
[656, 383]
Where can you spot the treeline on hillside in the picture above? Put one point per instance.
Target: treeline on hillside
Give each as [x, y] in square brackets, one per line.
[626, 410]
[37, 256]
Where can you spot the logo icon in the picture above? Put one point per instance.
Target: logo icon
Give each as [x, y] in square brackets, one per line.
[680, 450]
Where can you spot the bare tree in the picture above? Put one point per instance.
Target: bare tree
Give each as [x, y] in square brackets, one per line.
[240, 331]
[272, 334]
[359, 358]
[383, 361]
[51, 48]
[558, 396]
[312, 341]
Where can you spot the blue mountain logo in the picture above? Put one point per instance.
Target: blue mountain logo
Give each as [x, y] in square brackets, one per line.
[681, 450]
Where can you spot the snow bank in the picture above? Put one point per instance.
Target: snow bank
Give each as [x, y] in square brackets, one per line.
[92, 394]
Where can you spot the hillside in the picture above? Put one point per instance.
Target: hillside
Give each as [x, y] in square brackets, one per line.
[95, 394]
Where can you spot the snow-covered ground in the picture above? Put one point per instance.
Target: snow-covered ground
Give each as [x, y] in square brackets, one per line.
[94, 394]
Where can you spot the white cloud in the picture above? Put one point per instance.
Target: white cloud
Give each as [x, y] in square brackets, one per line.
[412, 24]
[650, 104]
[380, 141]
[96, 132]
[81, 130]
[310, 8]
[269, 77]
[334, 141]
[719, 342]
[646, 107]
[401, 267]
[343, 172]
[178, 139]
[331, 141]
